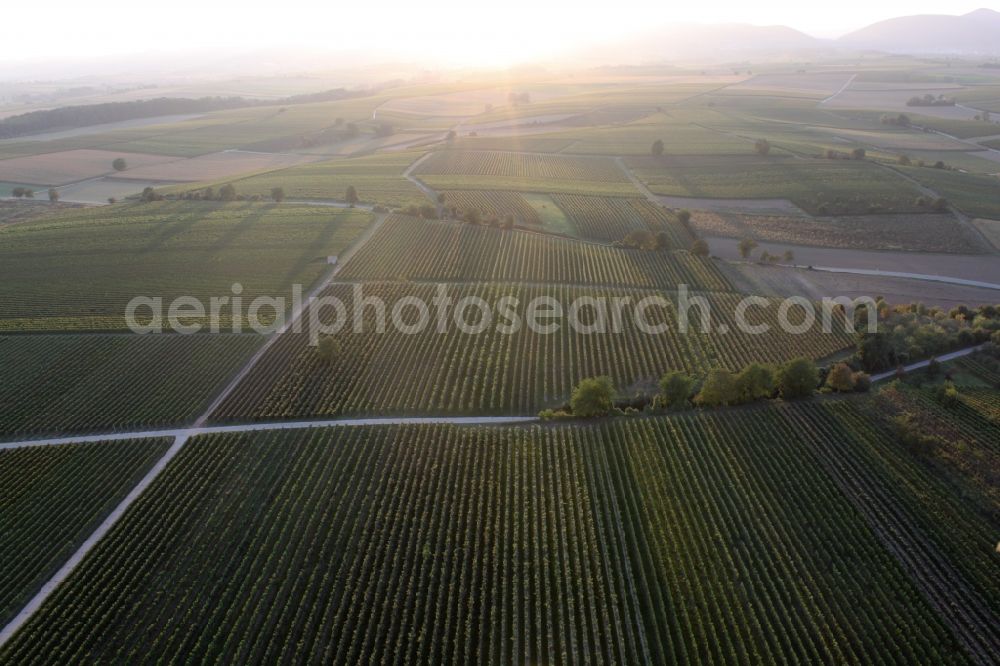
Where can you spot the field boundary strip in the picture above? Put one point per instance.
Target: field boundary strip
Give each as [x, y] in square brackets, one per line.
[194, 431]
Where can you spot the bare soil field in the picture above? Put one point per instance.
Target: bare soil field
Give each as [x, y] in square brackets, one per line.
[937, 87]
[898, 140]
[367, 144]
[215, 166]
[99, 190]
[551, 122]
[780, 281]
[895, 100]
[920, 233]
[70, 166]
[990, 229]
[983, 268]
[760, 206]
[819, 84]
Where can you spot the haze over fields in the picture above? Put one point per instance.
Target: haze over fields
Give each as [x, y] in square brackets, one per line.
[453, 333]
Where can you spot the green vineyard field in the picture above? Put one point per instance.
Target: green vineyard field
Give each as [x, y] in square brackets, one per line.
[818, 186]
[608, 219]
[51, 499]
[493, 204]
[77, 270]
[521, 165]
[408, 248]
[524, 172]
[378, 179]
[722, 537]
[84, 383]
[493, 372]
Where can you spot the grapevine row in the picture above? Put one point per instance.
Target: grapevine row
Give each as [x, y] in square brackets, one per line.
[407, 248]
[705, 538]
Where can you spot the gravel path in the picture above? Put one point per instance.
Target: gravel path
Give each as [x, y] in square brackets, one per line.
[923, 364]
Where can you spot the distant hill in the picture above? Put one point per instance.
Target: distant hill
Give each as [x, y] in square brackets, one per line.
[977, 32]
[719, 42]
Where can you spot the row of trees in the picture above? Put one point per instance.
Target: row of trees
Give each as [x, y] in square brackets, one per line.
[746, 247]
[28, 193]
[930, 100]
[228, 193]
[910, 332]
[798, 378]
[795, 379]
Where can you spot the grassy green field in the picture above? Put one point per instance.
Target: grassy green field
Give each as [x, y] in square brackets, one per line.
[378, 179]
[842, 186]
[220, 130]
[973, 194]
[524, 172]
[582, 187]
[635, 541]
[98, 383]
[679, 137]
[53, 497]
[77, 270]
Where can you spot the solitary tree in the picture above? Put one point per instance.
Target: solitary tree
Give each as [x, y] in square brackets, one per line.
[762, 146]
[227, 192]
[592, 397]
[797, 378]
[858, 153]
[278, 194]
[119, 164]
[699, 248]
[841, 378]
[351, 197]
[149, 194]
[662, 240]
[657, 148]
[684, 216]
[676, 389]
[53, 194]
[747, 245]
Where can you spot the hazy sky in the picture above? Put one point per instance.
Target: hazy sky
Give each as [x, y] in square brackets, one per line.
[466, 32]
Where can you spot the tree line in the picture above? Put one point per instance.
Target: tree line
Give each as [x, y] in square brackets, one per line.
[720, 387]
[85, 115]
